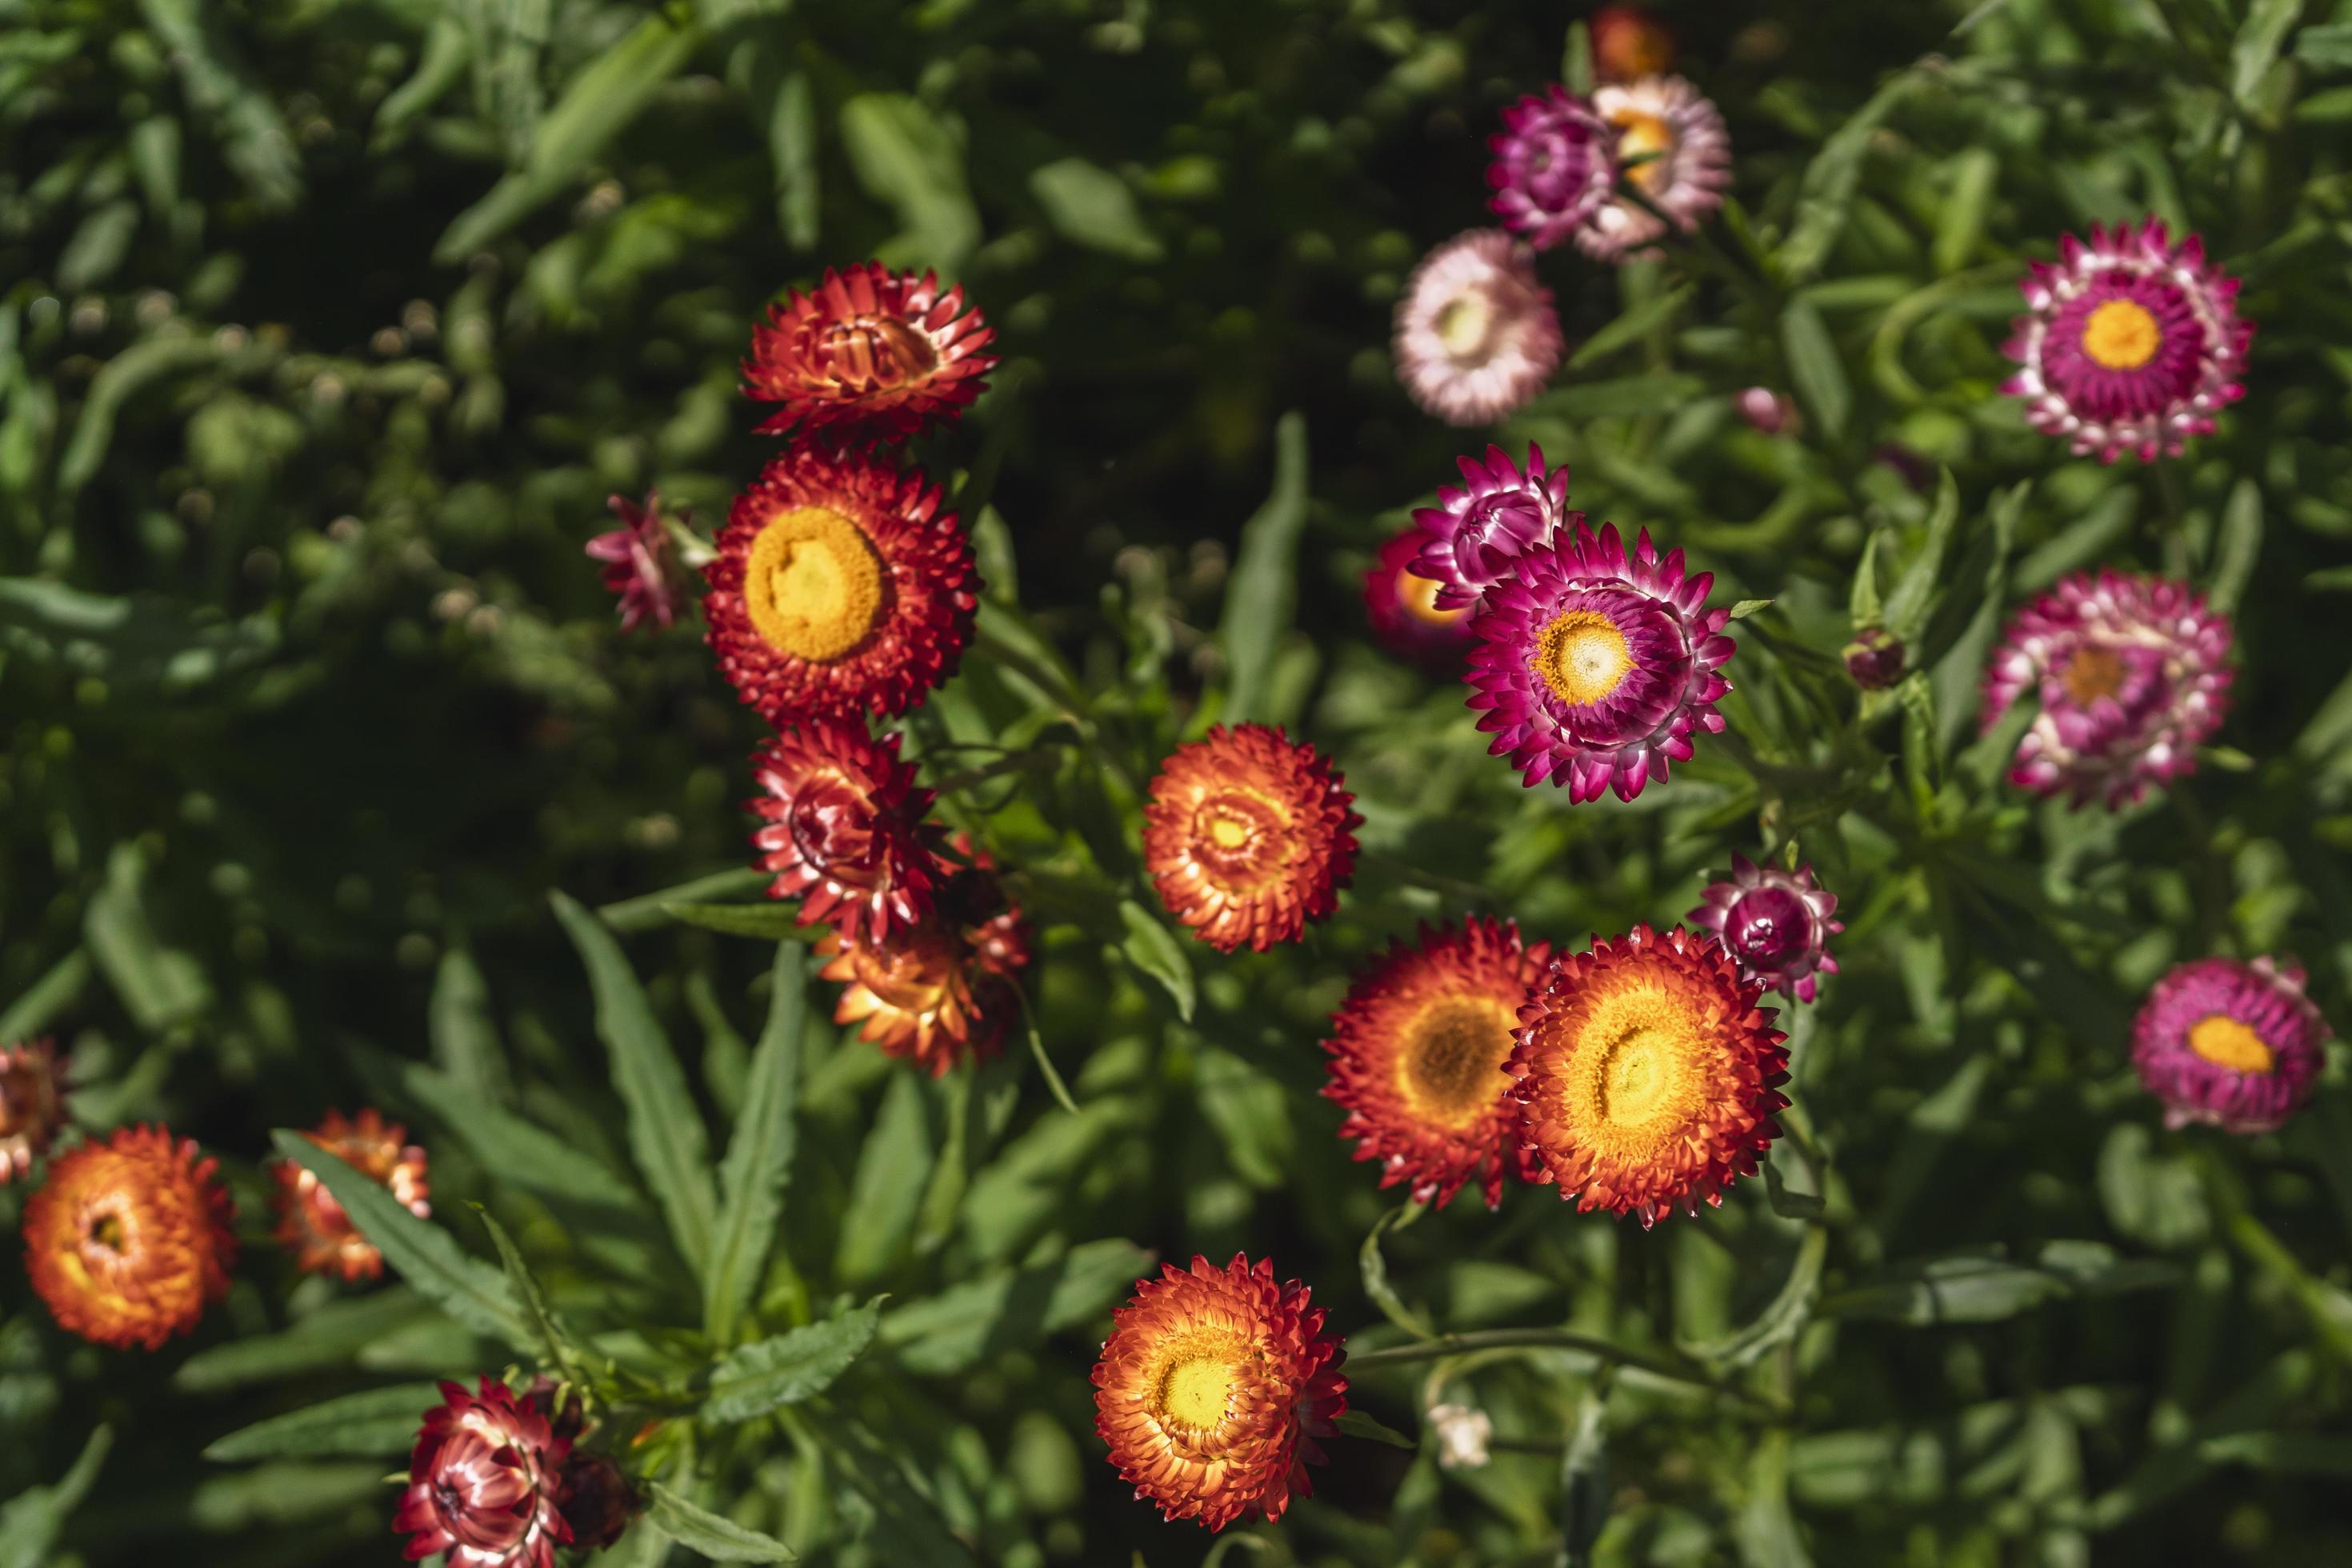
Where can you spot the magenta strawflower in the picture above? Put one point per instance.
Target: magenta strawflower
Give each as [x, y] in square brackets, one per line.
[1476, 335]
[2132, 344]
[1401, 606]
[640, 566]
[1775, 924]
[1477, 533]
[2132, 678]
[1688, 164]
[1595, 668]
[1555, 165]
[2236, 1045]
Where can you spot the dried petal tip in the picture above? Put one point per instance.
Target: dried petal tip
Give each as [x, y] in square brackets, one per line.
[845, 832]
[314, 1227]
[868, 353]
[641, 567]
[1555, 165]
[486, 1482]
[1476, 335]
[1401, 606]
[1776, 925]
[32, 1105]
[1685, 166]
[1874, 660]
[1213, 1387]
[130, 1239]
[942, 990]
[1248, 837]
[1476, 535]
[2237, 1046]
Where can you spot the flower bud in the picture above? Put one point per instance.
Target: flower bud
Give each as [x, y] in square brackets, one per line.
[1875, 658]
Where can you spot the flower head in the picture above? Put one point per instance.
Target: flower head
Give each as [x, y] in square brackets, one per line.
[1417, 1052]
[1775, 924]
[845, 833]
[1476, 535]
[1766, 411]
[2131, 343]
[1648, 1074]
[1212, 1388]
[1249, 836]
[941, 990]
[32, 1105]
[1593, 668]
[1476, 335]
[1873, 659]
[2132, 676]
[129, 1240]
[840, 587]
[313, 1226]
[484, 1481]
[1628, 42]
[1401, 606]
[2236, 1045]
[597, 1500]
[1687, 171]
[1462, 1434]
[639, 566]
[1555, 162]
[868, 351]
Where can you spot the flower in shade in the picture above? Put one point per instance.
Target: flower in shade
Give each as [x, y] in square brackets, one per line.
[1477, 534]
[1648, 1074]
[1463, 1432]
[1776, 925]
[1873, 659]
[32, 1105]
[1475, 334]
[1593, 668]
[1417, 1051]
[130, 1239]
[839, 587]
[597, 1500]
[942, 990]
[845, 830]
[1629, 42]
[1401, 606]
[1555, 162]
[2131, 343]
[313, 1226]
[1213, 1387]
[1249, 836]
[484, 1481]
[2236, 1045]
[868, 351]
[2132, 676]
[1688, 164]
[1766, 411]
[639, 565]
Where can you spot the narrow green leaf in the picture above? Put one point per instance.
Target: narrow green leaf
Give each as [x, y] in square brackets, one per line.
[1357, 1424]
[1815, 368]
[759, 1162]
[2256, 48]
[158, 985]
[644, 912]
[1013, 1310]
[30, 1521]
[2239, 546]
[1584, 1476]
[906, 157]
[753, 1379]
[441, 60]
[465, 1040]
[1980, 1289]
[698, 1530]
[329, 1337]
[379, 1421]
[1906, 606]
[2292, 1453]
[1264, 589]
[892, 1170]
[792, 143]
[1862, 600]
[1374, 1267]
[1631, 327]
[1825, 194]
[1959, 227]
[1153, 950]
[57, 989]
[1747, 608]
[555, 1342]
[1089, 206]
[765, 922]
[1785, 1200]
[518, 1151]
[1767, 1529]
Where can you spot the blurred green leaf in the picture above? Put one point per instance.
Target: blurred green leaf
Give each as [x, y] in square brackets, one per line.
[892, 1169]
[518, 1151]
[759, 1163]
[1264, 591]
[31, 1521]
[379, 1421]
[906, 157]
[1089, 206]
[1815, 368]
[1012, 1310]
[1980, 1289]
[1357, 1424]
[698, 1530]
[327, 1338]
[556, 1340]
[1155, 951]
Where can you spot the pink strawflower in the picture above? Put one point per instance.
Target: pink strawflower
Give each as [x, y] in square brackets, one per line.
[1688, 169]
[1595, 668]
[1554, 165]
[641, 569]
[1401, 606]
[2131, 344]
[2132, 678]
[486, 1482]
[1476, 335]
[2236, 1045]
[1767, 411]
[1476, 534]
[1775, 924]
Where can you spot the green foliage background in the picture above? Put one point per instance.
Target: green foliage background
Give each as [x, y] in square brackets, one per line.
[326, 326]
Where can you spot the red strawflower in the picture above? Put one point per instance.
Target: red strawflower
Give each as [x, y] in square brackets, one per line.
[868, 351]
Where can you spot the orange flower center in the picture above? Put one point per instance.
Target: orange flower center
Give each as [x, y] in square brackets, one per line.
[868, 352]
[2122, 334]
[1583, 657]
[1240, 833]
[1418, 595]
[1639, 1074]
[2226, 1042]
[813, 585]
[1641, 135]
[1453, 1059]
[1466, 325]
[2093, 673]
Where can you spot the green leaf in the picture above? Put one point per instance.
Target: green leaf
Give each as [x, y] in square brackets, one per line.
[1815, 368]
[442, 59]
[1264, 592]
[417, 1250]
[1982, 1289]
[220, 86]
[160, 985]
[329, 1337]
[465, 1040]
[1747, 608]
[698, 1530]
[1631, 327]
[555, 1342]
[31, 1521]
[1906, 606]
[766, 923]
[1767, 1529]
[519, 1152]
[1251, 1113]
[2290, 1453]
[2256, 48]
[1789, 1310]
[754, 1379]
[1862, 600]
[792, 143]
[1154, 950]
[379, 1421]
[1356, 1424]
[1825, 194]
[1089, 206]
[1959, 227]
[1373, 1266]
[666, 1131]
[2327, 46]
[1584, 1476]
[759, 1162]
[892, 1170]
[906, 157]
[57, 989]
[1785, 1200]
[2238, 548]
[1014, 1309]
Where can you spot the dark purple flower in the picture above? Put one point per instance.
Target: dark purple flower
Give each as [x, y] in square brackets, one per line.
[1875, 658]
[1776, 925]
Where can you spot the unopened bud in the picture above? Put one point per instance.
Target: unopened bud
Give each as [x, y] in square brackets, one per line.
[1875, 658]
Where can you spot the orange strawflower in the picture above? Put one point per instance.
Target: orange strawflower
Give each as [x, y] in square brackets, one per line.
[128, 1239]
[1418, 1051]
[868, 351]
[942, 990]
[1647, 1074]
[839, 588]
[1249, 836]
[313, 1226]
[1629, 43]
[1212, 1388]
[32, 1105]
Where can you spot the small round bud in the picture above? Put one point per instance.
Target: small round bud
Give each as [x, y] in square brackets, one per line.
[1875, 658]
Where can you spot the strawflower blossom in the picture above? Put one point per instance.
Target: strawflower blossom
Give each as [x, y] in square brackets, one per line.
[1213, 1387]
[1766, 411]
[1593, 668]
[942, 990]
[486, 1481]
[1648, 1074]
[1555, 165]
[1401, 606]
[314, 1227]
[1629, 42]
[1248, 837]
[641, 564]
[32, 1105]
[2237, 1046]
[1475, 334]
[1874, 660]
[868, 353]
[845, 829]
[1776, 925]
[128, 1239]
[1476, 535]
[2132, 675]
[2131, 343]
[1686, 166]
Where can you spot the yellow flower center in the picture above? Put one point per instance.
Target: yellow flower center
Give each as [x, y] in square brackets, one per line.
[108, 1233]
[1465, 324]
[1640, 135]
[813, 585]
[2122, 335]
[2225, 1042]
[1583, 657]
[878, 351]
[1196, 1388]
[2093, 673]
[1418, 595]
[1451, 1064]
[1239, 834]
[1644, 1060]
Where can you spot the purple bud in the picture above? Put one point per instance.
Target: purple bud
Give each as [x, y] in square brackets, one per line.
[1875, 658]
